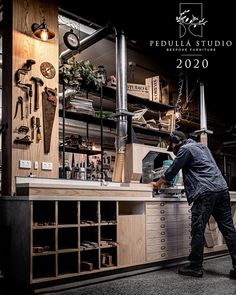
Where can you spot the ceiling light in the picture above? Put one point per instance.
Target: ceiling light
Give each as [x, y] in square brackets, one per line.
[42, 32]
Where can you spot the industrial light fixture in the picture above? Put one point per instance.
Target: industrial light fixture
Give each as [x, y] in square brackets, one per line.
[42, 32]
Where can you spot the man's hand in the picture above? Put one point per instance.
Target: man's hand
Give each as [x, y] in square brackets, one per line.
[158, 184]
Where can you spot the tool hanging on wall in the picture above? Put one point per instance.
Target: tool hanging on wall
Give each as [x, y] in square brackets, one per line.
[19, 103]
[22, 129]
[49, 109]
[24, 70]
[25, 140]
[32, 125]
[37, 82]
[26, 87]
[38, 125]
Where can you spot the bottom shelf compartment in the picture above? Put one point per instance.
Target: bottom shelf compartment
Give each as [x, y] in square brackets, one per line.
[68, 263]
[89, 260]
[108, 257]
[44, 266]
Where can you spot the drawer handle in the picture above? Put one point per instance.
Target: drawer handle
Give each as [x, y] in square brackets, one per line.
[163, 226]
[162, 218]
[163, 247]
[163, 254]
[162, 211]
[163, 240]
[162, 204]
[163, 233]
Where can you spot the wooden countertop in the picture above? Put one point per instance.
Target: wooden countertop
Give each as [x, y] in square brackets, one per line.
[30, 188]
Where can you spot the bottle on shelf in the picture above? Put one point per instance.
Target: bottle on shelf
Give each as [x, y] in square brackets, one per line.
[82, 171]
[77, 172]
[68, 171]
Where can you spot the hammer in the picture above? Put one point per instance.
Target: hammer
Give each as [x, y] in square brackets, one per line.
[38, 82]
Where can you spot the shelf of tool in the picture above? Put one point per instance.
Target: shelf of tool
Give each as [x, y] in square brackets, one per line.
[111, 123]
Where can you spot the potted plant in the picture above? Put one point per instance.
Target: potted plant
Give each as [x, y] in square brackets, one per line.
[80, 75]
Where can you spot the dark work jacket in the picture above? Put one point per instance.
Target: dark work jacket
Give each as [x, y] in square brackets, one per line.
[200, 172]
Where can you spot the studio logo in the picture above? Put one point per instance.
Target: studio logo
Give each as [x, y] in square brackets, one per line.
[190, 20]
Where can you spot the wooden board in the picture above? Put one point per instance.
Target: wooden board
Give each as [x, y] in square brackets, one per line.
[24, 47]
[135, 153]
[131, 239]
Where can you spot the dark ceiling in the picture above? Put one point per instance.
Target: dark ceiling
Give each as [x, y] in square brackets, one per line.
[147, 21]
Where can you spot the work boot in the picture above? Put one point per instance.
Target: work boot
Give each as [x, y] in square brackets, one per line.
[191, 271]
[232, 274]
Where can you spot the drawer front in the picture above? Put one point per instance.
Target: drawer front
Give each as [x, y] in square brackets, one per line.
[160, 234]
[173, 209]
[162, 255]
[150, 205]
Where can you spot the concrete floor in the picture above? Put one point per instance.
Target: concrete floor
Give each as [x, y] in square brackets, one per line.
[216, 281]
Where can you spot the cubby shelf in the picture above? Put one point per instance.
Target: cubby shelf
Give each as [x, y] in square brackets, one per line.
[62, 247]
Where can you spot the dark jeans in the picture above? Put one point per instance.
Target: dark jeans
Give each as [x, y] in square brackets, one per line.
[216, 204]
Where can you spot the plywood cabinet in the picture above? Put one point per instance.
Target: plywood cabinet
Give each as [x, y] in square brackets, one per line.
[51, 239]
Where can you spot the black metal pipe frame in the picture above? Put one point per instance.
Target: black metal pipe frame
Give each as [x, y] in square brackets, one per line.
[121, 74]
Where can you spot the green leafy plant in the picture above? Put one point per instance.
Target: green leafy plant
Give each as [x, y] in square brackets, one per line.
[80, 75]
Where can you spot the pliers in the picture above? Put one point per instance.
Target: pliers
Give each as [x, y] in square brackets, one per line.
[19, 102]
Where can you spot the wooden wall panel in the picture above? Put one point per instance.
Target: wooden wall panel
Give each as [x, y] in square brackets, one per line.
[26, 46]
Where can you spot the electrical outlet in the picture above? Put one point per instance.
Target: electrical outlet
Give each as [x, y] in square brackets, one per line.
[25, 164]
[46, 165]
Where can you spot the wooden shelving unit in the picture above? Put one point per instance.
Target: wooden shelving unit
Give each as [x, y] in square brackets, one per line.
[72, 237]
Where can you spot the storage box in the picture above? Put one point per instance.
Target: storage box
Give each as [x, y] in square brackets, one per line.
[139, 90]
[158, 89]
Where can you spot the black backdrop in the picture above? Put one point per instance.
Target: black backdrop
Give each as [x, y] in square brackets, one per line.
[156, 20]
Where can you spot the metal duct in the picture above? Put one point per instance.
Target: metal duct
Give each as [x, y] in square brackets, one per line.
[87, 42]
[121, 104]
[121, 90]
[203, 117]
